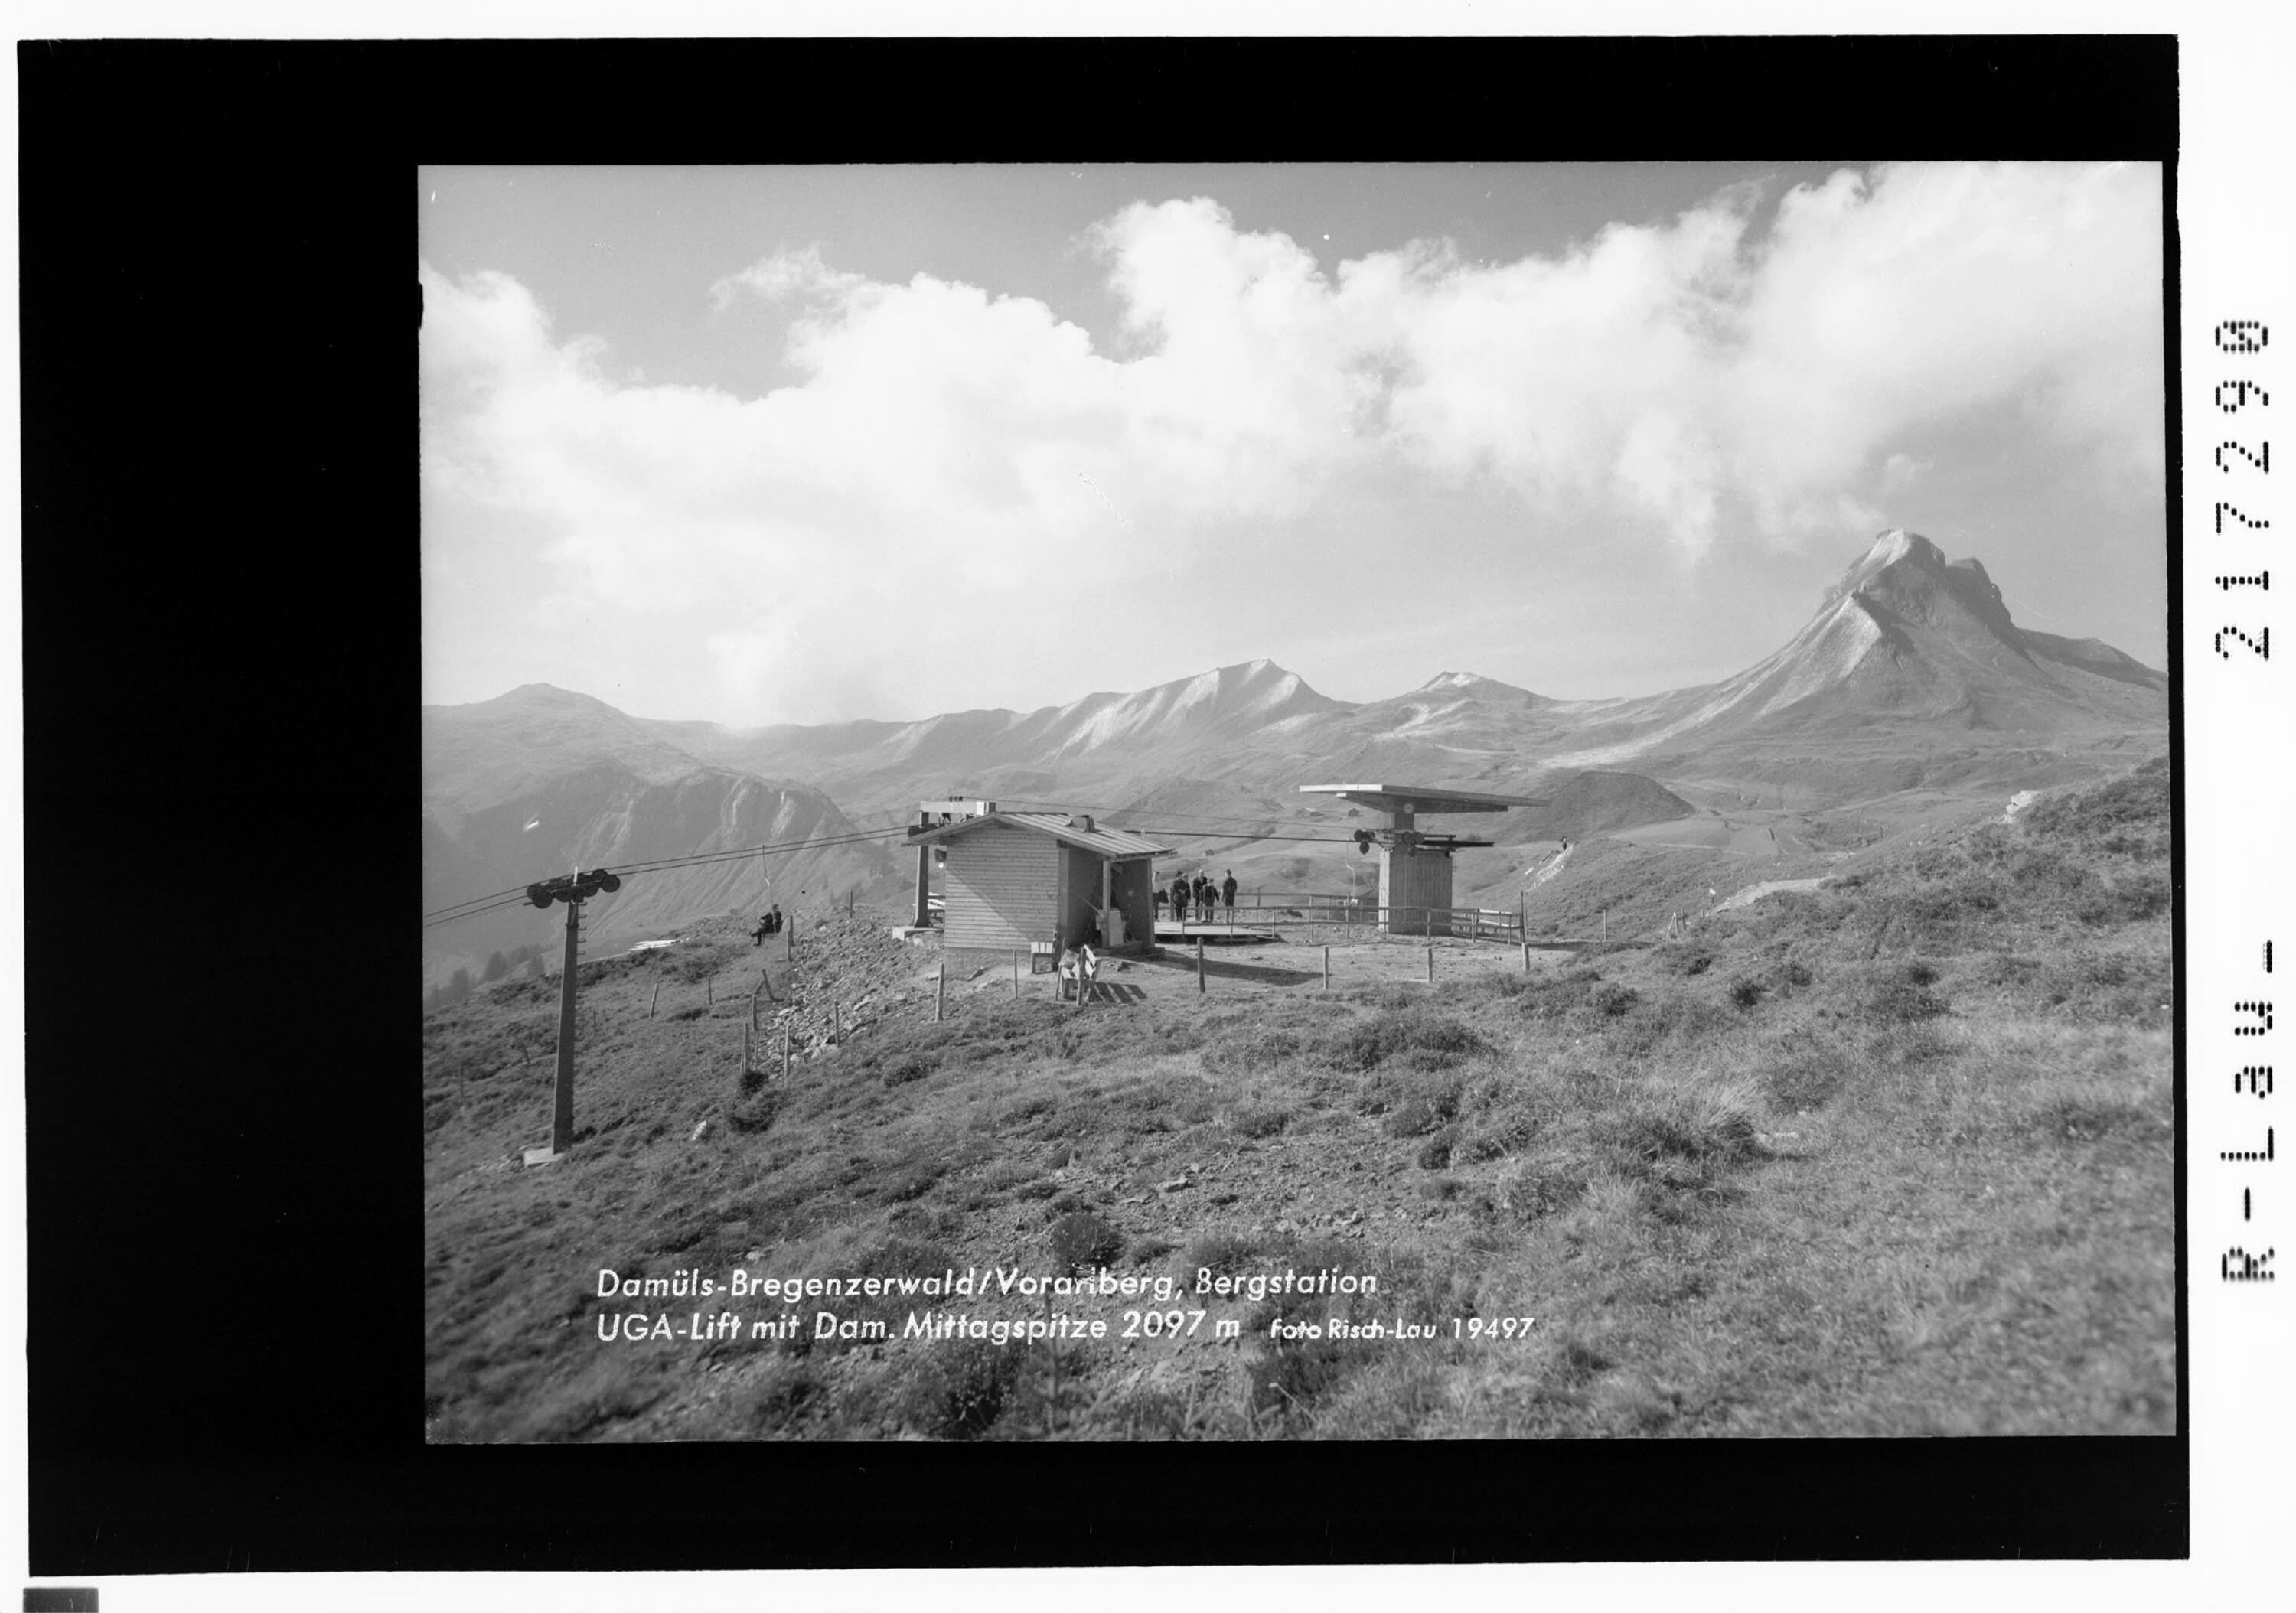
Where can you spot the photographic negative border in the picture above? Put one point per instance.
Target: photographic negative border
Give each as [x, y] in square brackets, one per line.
[256, 1155]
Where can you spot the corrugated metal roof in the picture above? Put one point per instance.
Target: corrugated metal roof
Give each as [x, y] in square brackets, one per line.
[1106, 842]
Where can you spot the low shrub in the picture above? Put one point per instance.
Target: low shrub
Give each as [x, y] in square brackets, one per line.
[1225, 1254]
[1700, 1126]
[1613, 1000]
[1898, 1044]
[1295, 1375]
[1804, 1073]
[1246, 1051]
[1501, 1133]
[1553, 997]
[910, 1067]
[1291, 1379]
[1684, 959]
[1541, 1186]
[915, 1183]
[1898, 992]
[753, 1113]
[962, 1389]
[1413, 1038]
[1084, 1242]
[1190, 1104]
[2141, 896]
[1413, 1116]
[2080, 1112]
[783, 1394]
[1258, 1119]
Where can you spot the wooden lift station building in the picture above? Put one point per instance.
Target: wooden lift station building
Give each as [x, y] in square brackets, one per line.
[1010, 879]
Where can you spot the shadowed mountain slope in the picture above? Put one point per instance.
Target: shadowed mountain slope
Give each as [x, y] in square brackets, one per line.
[540, 780]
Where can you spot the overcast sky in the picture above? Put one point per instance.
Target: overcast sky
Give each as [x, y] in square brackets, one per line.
[765, 444]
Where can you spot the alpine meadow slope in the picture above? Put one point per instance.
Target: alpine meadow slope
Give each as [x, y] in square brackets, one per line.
[1832, 1093]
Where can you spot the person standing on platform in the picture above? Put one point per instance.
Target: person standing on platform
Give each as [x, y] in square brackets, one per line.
[1179, 898]
[1227, 895]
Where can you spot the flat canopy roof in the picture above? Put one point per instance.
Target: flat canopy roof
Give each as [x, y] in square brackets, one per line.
[1420, 797]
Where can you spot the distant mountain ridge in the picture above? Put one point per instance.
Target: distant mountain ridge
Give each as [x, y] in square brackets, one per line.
[1906, 642]
[1911, 672]
[540, 780]
[1909, 644]
[1229, 703]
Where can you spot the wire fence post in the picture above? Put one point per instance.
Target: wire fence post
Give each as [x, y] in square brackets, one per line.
[1199, 966]
[1430, 963]
[1016, 974]
[940, 991]
[1327, 969]
[1526, 957]
[657, 999]
[787, 1027]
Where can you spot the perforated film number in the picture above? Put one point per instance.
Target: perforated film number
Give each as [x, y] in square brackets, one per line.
[2234, 395]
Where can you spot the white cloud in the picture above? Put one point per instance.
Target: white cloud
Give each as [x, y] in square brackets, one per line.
[786, 274]
[951, 458]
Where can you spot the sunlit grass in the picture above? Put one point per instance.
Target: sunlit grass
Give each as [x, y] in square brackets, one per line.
[1808, 1172]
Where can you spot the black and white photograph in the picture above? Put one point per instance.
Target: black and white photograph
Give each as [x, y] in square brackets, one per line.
[1260, 801]
[1205, 805]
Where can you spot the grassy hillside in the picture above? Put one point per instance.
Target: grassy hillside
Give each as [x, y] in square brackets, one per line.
[1892, 1157]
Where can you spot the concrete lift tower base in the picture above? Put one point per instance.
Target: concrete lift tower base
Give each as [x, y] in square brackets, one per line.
[1414, 868]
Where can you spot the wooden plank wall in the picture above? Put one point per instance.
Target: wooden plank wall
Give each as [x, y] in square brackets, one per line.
[1414, 879]
[1001, 885]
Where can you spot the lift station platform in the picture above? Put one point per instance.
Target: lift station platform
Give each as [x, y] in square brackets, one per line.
[1415, 867]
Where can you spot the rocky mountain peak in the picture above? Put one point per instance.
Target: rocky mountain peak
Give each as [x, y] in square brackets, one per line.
[1909, 577]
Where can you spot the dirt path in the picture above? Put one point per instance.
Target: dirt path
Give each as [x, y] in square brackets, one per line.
[1755, 893]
